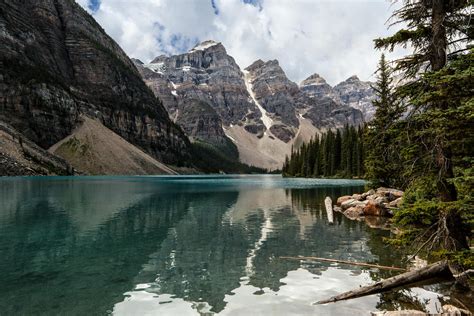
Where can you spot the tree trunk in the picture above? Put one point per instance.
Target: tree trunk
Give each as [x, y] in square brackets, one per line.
[439, 45]
[329, 211]
[455, 235]
[439, 42]
[447, 191]
[439, 269]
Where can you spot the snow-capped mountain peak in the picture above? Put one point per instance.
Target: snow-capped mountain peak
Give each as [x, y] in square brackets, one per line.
[204, 45]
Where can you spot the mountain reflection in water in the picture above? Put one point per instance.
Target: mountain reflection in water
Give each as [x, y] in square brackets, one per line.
[185, 245]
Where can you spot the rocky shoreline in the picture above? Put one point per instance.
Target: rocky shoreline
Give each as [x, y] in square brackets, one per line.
[380, 203]
[375, 208]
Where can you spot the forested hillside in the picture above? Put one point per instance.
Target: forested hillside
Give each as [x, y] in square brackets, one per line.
[337, 153]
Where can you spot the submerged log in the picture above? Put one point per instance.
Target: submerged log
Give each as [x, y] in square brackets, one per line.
[439, 269]
[354, 263]
[329, 211]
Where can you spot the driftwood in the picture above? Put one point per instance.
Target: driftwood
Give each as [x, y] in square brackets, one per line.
[329, 211]
[362, 264]
[466, 273]
[439, 269]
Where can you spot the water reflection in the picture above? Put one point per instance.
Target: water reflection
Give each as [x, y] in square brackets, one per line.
[180, 246]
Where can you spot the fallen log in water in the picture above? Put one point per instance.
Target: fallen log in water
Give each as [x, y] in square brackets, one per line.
[439, 269]
[329, 211]
[354, 263]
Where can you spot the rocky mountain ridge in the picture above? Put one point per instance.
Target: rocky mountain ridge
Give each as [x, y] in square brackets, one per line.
[57, 64]
[260, 109]
[357, 94]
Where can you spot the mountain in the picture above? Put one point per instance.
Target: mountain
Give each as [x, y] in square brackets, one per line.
[357, 94]
[58, 65]
[258, 108]
[324, 106]
[316, 86]
[273, 90]
[20, 157]
[67, 87]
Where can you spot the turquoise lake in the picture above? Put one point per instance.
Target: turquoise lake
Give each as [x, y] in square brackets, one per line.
[187, 245]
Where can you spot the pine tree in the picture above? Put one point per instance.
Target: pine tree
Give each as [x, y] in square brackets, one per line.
[330, 153]
[317, 160]
[354, 150]
[286, 165]
[337, 151]
[361, 153]
[438, 31]
[322, 156]
[303, 161]
[380, 164]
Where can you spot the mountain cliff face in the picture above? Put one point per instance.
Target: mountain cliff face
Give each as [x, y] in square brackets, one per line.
[258, 108]
[357, 94]
[208, 74]
[204, 92]
[57, 63]
[324, 106]
[316, 87]
[273, 90]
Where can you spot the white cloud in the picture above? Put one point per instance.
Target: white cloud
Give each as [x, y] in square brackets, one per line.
[332, 38]
[83, 3]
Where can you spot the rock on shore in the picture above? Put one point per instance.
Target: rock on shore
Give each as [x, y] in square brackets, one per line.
[380, 202]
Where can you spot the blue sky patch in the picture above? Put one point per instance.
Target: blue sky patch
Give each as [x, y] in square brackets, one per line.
[94, 5]
[255, 3]
[183, 43]
[214, 6]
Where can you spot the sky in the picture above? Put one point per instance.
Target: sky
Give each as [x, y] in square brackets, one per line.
[333, 38]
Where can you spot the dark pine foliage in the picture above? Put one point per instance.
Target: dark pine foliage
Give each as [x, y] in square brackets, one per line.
[337, 153]
[382, 161]
[212, 159]
[435, 138]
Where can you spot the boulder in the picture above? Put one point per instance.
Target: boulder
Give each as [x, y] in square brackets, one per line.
[352, 202]
[337, 209]
[381, 200]
[396, 203]
[371, 197]
[368, 193]
[354, 212]
[348, 203]
[357, 197]
[389, 193]
[342, 199]
[375, 209]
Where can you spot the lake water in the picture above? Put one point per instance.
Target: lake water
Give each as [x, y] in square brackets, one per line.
[198, 245]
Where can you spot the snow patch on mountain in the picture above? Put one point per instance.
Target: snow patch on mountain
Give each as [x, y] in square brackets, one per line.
[156, 67]
[204, 45]
[267, 121]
